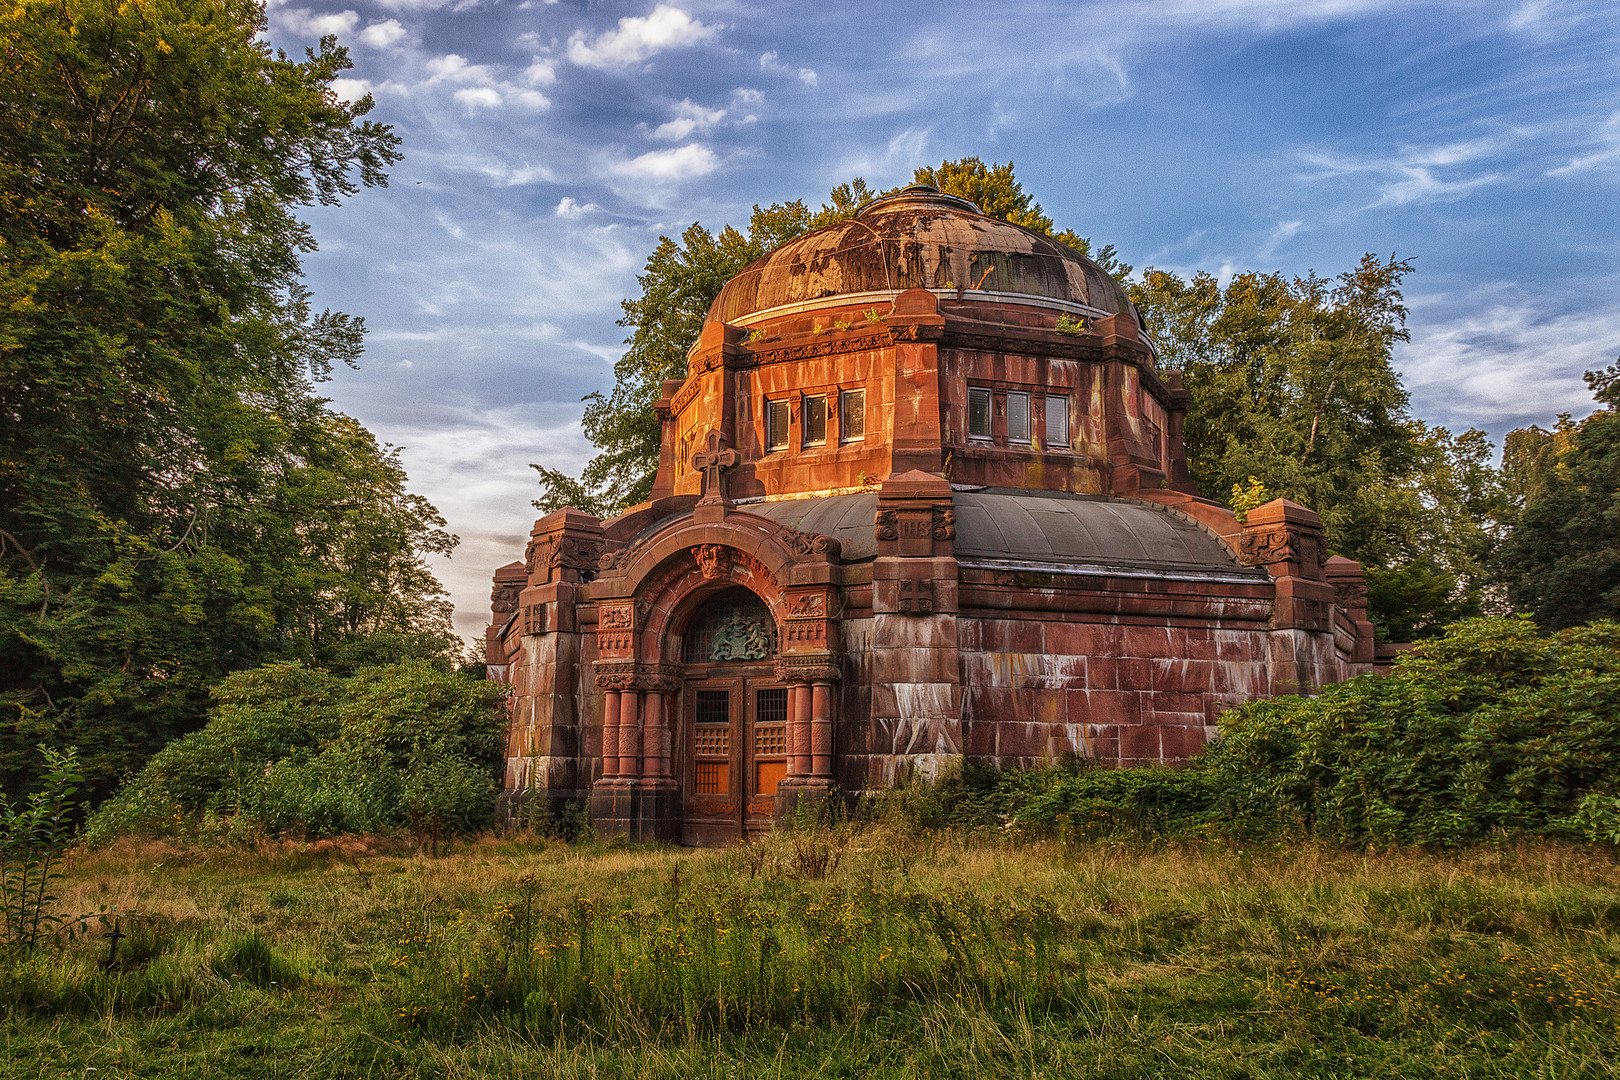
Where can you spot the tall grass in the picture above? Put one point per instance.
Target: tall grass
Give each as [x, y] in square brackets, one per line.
[710, 959]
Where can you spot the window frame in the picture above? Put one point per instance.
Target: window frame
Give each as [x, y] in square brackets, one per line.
[1067, 440]
[787, 424]
[805, 442]
[1028, 439]
[844, 397]
[989, 413]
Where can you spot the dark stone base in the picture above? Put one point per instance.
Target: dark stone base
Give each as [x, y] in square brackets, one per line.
[802, 794]
[518, 809]
[643, 811]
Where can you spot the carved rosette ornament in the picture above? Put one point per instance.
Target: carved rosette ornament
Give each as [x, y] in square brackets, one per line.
[713, 559]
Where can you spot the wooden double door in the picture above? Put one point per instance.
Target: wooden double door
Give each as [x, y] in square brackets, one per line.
[734, 751]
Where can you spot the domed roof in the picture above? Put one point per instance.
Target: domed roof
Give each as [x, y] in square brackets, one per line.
[920, 237]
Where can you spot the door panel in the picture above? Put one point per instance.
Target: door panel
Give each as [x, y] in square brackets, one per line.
[735, 751]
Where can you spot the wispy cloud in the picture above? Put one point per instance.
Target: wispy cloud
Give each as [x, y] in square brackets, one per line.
[1414, 174]
[769, 62]
[637, 38]
[1502, 354]
[690, 118]
[1601, 150]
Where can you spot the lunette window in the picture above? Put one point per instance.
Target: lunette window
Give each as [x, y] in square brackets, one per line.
[978, 413]
[776, 425]
[813, 421]
[1017, 416]
[852, 415]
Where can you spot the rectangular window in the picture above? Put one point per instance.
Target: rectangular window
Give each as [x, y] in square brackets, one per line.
[813, 421]
[712, 743]
[978, 413]
[1017, 417]
[1057, 423]
[852, 418]
[776, 425]
[770, 739]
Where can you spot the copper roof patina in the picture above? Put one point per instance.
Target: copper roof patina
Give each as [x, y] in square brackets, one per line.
[918, 237]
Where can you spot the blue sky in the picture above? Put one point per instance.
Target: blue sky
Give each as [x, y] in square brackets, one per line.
[548, 145]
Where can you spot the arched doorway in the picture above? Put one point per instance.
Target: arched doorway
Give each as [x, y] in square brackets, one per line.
[732, 741]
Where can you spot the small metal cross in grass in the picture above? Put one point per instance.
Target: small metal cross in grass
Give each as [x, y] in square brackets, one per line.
[113, 936]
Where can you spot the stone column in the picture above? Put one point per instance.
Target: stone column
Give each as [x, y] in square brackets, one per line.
[630, 734]
[799, 738]
[821, 730]
[654, 736]
[610, 733]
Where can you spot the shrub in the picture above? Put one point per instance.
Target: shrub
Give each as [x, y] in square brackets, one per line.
[33, 836]
[293, 751]
[1491, 727]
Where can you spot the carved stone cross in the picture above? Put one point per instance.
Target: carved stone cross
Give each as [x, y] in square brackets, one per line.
[712, 462]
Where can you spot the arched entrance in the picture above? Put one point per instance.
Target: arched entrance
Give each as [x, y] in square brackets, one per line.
[732, 738]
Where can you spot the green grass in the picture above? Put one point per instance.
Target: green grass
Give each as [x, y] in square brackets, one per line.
[932, 955]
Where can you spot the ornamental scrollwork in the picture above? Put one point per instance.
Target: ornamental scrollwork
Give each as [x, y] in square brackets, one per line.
[944, 522]
[1266, 548]
[801, 543]
[886, 525]
[503, 599]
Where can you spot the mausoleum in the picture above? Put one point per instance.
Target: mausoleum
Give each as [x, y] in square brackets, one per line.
[922, 497]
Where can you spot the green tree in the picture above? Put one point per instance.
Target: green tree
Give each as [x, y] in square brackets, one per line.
[682, 279]
[1292, 383]
[1561, 561]
[175, 502]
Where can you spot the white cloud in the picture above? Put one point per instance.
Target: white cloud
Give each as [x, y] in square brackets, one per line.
[1284, 232]
[689, 118]
[540, 73]
[380, 35]
[456, 69]
[303, 21]
[473, 98]
[769, 62]
[572, 210]
[348, 90]
[639, 37]
[681, 163]
[745, 95]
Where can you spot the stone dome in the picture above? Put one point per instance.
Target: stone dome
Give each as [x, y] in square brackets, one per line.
[920, 237]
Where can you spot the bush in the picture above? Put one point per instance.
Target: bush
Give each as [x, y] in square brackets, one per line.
[292, 751]
[1491, 727]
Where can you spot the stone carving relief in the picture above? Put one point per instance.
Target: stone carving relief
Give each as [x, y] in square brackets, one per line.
[1281, 545]
[536, 555]
[887, 525]
[944, 522]
[807, 606]
[741, 638]
[1351, 593]
[503, 599]
[821, 668]
[917, 596]
[809, 543]
[713, 559]
[534, 619]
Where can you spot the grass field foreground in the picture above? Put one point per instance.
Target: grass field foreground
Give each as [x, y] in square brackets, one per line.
[925, 955]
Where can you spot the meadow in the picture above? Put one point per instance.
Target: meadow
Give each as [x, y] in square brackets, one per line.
[876, 950]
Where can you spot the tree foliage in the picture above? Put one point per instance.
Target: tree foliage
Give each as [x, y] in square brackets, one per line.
[1292, 383]
[1562, 559]
[175, 503]
[290, 750]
